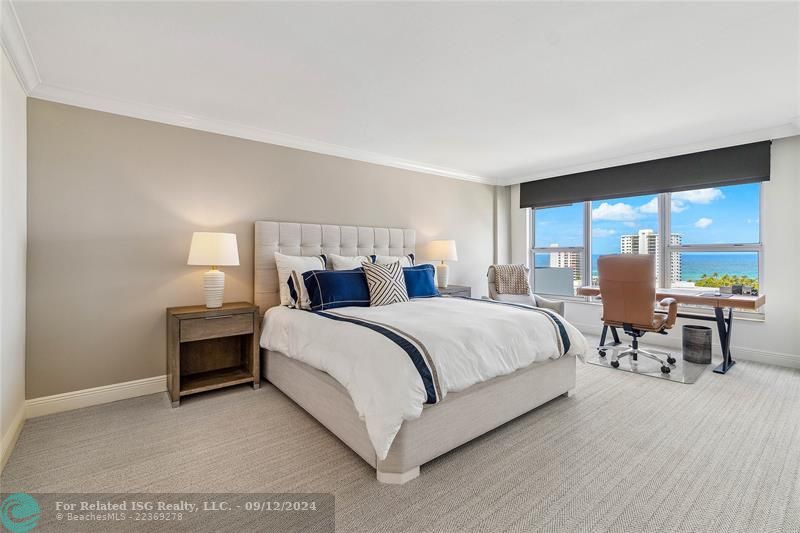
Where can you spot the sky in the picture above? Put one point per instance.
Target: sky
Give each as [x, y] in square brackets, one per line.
[705, 216]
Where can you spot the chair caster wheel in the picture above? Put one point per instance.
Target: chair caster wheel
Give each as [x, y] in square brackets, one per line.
[665, 369]
[671, 360]
[615, 364]
[602, 353]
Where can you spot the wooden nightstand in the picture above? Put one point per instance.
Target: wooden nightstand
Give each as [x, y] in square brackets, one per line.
[456, 290]
[211, 348]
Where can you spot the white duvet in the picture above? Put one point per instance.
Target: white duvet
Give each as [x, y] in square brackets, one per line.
[462, 341]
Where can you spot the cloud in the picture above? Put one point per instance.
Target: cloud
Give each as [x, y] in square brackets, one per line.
[699, 196]
[678, 206]
[650, 207]
[616, 212]
[624, 212]
[703, 223]
[602, 232]
[621, 211]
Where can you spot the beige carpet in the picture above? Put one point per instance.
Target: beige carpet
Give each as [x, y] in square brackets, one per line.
[625, 453]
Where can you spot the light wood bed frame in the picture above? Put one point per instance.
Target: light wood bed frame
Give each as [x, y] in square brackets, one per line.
[459, 418]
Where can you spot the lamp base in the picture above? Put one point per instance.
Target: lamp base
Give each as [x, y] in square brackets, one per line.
[214, 285]
[442, 272]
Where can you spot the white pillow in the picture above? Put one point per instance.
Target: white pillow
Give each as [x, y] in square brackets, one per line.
[285, 264]
[405, 260]
[347, 262]
[386, 283]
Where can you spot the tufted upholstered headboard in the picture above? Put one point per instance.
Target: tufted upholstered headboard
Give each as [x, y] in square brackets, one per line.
[292, 238]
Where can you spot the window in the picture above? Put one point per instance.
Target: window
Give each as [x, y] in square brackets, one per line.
[625, 226]
[707, 238]
[558, 249]
[719, 240]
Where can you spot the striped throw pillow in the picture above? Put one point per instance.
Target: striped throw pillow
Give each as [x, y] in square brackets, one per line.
[386, 283]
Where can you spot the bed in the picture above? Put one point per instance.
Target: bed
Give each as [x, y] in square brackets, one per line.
[295, 365]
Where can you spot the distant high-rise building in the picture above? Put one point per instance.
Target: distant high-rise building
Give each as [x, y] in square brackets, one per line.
[646, 242]
[571, 260]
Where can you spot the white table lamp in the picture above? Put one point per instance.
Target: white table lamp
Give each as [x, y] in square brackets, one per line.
[442, 251]
[214, 250]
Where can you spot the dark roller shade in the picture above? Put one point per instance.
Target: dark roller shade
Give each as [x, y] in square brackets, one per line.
[746, 163]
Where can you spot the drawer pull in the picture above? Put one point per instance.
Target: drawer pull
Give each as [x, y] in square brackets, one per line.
[216, 317]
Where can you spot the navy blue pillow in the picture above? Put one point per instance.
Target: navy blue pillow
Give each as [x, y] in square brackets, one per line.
[329, 289]
[419, 281]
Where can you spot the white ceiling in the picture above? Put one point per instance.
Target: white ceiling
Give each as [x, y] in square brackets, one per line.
[496, 92]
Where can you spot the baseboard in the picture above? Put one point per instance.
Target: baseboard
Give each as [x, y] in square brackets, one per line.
[739, 352]
[98, 395]
[770, 358]
[11, 436]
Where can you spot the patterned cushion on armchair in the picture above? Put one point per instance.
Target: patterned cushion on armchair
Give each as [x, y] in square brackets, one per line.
[528, 299]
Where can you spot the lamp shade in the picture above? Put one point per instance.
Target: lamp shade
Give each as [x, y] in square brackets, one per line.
[443, 250]
[213, 249]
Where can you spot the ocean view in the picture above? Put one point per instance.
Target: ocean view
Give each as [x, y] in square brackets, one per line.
[695, 264]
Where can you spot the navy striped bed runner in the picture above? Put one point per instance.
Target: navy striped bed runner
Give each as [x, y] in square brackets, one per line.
[418, 353]
[414, 349]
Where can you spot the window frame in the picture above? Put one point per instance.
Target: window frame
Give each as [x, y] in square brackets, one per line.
[533, 250]
[665, 215]
[665, 248]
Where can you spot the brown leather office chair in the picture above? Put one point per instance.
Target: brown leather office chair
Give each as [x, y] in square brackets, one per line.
[628, 291]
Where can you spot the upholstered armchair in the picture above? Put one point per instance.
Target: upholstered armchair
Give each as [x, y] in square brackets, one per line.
[529, 299]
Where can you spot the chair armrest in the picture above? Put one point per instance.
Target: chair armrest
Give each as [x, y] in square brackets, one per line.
[672, 312]
[553, 305]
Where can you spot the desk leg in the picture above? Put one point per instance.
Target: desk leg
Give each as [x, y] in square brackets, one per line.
[725, 328]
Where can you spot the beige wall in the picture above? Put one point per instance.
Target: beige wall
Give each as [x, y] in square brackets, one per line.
[12, 267]
[502, 224]
[113, 202]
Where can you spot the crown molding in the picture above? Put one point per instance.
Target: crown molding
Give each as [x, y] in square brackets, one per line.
[19, 54]
[138, 110]
[765, 134]
[15, 45]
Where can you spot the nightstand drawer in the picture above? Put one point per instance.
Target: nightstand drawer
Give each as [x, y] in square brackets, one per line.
[195, 329]
[456, 290]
